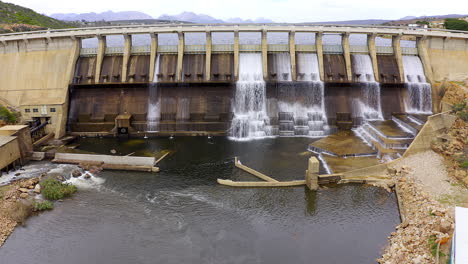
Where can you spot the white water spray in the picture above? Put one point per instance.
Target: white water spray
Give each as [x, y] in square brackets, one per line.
[154, 111]
[419, 100]
[368, 105]
[304, 112]
[250, 117]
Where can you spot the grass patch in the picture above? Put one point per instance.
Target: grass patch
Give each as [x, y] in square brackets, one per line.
[53, 189]
[20, 211]
[42, 206]
[432, 242]
[3, 190]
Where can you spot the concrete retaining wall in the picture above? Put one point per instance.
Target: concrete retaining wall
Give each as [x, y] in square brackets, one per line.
[107, 161]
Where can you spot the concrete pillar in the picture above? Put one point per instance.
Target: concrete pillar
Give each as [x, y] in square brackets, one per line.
[373, 55]
[292, 54]
[398, 56]
[422, 44]
[347, 55]
[264, 54]
[236, 55]
[319, 49]
[60, 127]
[312, 173]
[153, 56]
[100, 56]
[180, 56]
[126, 56]
[208, 57]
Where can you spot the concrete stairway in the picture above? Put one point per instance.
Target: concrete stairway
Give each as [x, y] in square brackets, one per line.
[391, 137]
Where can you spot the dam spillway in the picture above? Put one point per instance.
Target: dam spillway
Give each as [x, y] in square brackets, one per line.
[282, 92]
[368, 105]
[419, 100]
[196, 80]
[250, 119]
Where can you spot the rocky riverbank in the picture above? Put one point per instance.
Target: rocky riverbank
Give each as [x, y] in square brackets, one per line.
[426, 223]
[16, 204]
[33, 190]
[429, 185]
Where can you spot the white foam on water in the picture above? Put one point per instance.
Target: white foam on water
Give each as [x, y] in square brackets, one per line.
[81, 182]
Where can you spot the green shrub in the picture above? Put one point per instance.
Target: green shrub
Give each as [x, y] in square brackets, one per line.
[432, 241]
[54, 190]
[6, 115]
[456, 24]
[463, 115]
[459, 107]
[464, 164]
[44, 205]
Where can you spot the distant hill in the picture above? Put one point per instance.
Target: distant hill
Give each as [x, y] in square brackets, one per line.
[191, 17]
[106, 16]
[15, 18]
[354, 22]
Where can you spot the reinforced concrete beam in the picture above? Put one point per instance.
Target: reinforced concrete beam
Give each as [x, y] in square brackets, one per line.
[292, 54]
[100, 56]
[264, 54]
[422, 44]
[70, 72]
[208, 56]
[180, 55]
[319, 48]
[153, 56]
[347, 55]
[373, 55]
[126, 56]
[236, 55]
[398, 56]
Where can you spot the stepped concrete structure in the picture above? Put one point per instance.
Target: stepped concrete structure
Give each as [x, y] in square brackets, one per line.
[51, 78]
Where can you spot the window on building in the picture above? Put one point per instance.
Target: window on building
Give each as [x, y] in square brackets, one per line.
[27, 110]
[35, 110]
[52, 110]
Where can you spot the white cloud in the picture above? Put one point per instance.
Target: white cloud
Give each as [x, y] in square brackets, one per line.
[278, 10]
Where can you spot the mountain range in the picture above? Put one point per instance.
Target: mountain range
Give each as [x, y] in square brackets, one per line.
[135, 15]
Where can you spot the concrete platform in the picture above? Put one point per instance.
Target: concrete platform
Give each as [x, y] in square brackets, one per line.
[342, 143]
[339, 165]
[390, 129]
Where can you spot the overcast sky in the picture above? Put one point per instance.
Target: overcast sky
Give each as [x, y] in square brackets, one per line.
[277, 10]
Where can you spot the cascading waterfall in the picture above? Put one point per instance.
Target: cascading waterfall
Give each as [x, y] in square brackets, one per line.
[154, 112]
[305, 113]
[308, 70]
[250, 118]
[282, 62]
[368, 105]
[419, 91]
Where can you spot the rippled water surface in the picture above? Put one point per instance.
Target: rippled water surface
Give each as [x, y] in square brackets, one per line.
[181, 215]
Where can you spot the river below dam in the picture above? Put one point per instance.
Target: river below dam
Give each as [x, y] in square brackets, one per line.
[181, 214]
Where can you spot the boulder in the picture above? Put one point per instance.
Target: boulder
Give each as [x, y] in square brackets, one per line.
[37, 188]
[76, 173]
[23, 190]
[445, 226]
[24, 195]
[87, 176]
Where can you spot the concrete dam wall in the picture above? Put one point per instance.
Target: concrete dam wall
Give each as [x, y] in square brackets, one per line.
[299, 87]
